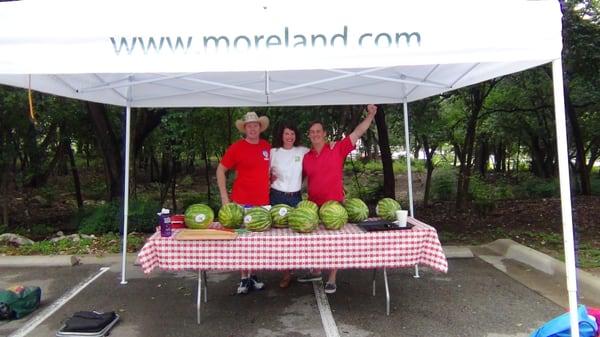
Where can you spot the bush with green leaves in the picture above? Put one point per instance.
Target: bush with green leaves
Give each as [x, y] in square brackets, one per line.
[369, 189]
[531, 187]
[443, 184]
[107, 218]
[595, 185]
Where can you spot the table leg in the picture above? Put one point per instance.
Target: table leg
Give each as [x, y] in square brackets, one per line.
[205, 286]
[387, 292]
[374, 275]
[416, 271]
[199, 297]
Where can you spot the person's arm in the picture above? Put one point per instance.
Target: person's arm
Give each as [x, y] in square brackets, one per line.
[364, 125]
[222, 183]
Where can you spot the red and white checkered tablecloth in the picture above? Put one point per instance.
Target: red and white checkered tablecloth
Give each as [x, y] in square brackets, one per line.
[283, 249]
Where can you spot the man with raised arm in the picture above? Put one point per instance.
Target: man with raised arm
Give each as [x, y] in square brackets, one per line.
[323, 167]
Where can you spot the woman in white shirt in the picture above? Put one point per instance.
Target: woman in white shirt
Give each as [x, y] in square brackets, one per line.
[286, 166]
[286, 173]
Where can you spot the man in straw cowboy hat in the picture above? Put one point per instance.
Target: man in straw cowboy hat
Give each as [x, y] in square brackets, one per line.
[249, 158]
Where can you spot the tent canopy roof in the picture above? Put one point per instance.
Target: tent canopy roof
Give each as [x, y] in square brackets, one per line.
[257, 53]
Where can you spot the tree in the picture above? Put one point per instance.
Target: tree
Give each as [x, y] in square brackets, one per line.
[429, 129]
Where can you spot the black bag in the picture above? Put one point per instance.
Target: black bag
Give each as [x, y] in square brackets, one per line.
[89, 321]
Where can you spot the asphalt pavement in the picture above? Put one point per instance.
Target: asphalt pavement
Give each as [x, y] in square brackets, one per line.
[473, 299]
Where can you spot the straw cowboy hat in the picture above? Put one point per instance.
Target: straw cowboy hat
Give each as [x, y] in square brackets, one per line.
[252, 117]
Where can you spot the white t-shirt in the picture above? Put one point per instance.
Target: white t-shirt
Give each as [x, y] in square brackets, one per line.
[286, 165]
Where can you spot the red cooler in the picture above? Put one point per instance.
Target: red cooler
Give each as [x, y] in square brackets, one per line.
[177, 221]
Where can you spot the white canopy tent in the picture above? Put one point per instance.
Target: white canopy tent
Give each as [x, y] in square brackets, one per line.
[272, 53]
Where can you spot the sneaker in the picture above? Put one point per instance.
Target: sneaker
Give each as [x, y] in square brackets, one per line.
[245, 286]
[330, 288]
[310, 277]
[256, 283]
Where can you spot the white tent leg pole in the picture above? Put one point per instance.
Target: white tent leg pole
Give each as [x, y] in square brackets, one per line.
[126, 191]
[565, 192]
[408, 168]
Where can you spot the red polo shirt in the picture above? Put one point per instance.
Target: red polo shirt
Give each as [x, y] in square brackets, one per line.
[251, 164]
[324, 171]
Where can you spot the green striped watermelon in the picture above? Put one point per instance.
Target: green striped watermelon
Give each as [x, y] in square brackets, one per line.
[231, 215]
[303, 220]
[333, 215]
[199, 216]
[357, 210]
[257, 219]
[386, 208]
[279, 215]
[309, 204]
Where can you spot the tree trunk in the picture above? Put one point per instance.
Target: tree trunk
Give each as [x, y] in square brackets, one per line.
[110, 148]
[75, 173]
[429, 151]
[577, 138]
[389, 180]
[4, 190]
[174, 184]
[207, 167]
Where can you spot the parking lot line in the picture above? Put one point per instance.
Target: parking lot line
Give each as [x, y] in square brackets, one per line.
[329, 325]
[52, 308]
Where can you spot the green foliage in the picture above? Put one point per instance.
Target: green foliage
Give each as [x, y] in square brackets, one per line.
[595, 181]
[109, 243]
[186, 181]
[188, 199]
[485, 194]
[106, 218]
[534, 187]
[443, 184]
[369, 189]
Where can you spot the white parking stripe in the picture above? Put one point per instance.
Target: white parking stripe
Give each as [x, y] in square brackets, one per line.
[329, 325]
[52, 308]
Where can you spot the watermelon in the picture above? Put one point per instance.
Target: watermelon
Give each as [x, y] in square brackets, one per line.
[279, 214]
[333, 215]
[257, 219]
[309, 204]
[357, 210]
[231, 215]
[199, 216]
[386, 209]
[303, 219]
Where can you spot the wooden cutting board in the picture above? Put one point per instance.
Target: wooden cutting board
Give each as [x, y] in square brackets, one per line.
[204, 234]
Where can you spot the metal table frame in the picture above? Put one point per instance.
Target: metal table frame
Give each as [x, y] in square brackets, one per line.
[203, 288]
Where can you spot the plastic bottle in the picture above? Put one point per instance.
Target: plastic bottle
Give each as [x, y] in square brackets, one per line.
[165, 222]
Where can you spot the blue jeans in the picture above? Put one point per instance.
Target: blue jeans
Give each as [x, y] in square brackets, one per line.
[288, 198]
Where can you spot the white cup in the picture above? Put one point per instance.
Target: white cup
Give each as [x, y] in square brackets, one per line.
[402, 216]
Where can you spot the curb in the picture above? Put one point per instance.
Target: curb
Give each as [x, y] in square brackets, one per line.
[24, 261]
[457, 252]
[512, 250]
[39, 261]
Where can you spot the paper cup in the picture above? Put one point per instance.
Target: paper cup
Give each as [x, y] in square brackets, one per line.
[402, 216]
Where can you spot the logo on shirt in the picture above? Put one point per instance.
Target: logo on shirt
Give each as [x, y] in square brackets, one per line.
[265, 154]
[297, 158]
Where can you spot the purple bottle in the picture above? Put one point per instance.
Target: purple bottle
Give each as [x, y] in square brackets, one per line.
[164, 219]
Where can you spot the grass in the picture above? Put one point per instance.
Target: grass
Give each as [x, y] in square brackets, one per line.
[105, 244]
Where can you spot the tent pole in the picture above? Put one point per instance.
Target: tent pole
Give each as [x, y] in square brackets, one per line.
[565, 192]
[126, 188]
[408, 168]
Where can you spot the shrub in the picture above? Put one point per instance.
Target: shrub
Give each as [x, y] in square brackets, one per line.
[370, 190]
[201, 198]
[443, 184]
[595, 185]
[107, 218]
[533, 187]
